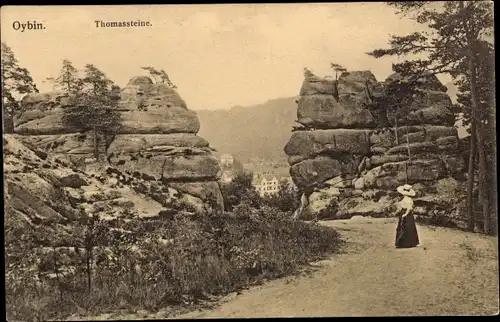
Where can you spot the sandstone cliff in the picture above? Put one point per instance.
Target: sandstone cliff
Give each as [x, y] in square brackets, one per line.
[347, 163]
[157, 139]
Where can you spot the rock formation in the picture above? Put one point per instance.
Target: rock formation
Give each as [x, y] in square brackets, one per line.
[348, 163]
[157, 139]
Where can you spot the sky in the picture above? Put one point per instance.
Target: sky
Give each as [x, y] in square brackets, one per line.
[217, 55]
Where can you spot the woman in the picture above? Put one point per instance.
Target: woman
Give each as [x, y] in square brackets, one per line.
[406, 234]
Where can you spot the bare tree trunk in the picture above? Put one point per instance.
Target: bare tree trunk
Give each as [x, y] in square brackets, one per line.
[491, 170]
[483, 186]
[396, 126]
[56, 269]
[89, 251]
[471, 41]
[96, 149]
[493, 199]
[470, 178]
[492, 185]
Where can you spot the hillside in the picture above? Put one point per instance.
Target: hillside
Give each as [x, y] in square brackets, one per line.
[259, 131]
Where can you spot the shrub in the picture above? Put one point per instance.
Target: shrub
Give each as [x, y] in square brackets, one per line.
[238, 190]
[287, 198]
[152, 263]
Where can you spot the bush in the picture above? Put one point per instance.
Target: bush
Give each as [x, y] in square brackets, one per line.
[239, 190]
[150, 264]
[287, 198]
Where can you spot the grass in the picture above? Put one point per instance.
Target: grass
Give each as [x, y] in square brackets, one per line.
[205, 255]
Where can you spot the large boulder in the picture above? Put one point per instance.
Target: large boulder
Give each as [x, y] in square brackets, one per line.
[71, 143]
[324, 112]
[392, 174]
[314, 171]
[208, 192]
[35, 122]
[159, 121]
[181, 168]
[314, 85]
[428, 82]
[432, 106]
[312, 143]
[138, 142]
[435, 114]
[140, 93]
[359, 84]
[350, 154]
[145, 108]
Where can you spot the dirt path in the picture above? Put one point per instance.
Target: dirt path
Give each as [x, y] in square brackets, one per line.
[450, 273]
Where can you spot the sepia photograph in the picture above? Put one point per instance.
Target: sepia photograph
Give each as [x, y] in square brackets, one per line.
[196, 161]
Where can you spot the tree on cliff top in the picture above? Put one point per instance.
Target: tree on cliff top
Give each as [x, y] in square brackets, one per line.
[95, 108]
[16, 81]
[308, 72]
[68, 79]
[337, 68]
[159, 76]
[451, 45]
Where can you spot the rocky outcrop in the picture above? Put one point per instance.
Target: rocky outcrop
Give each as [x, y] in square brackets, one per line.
[344, 161]
[157, 138]
[48, 201]
[41, 190]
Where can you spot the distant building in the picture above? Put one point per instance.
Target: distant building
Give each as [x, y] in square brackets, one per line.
[226, 160]
[268, 183]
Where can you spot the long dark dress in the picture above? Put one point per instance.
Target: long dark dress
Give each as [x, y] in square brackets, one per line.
[406, 233]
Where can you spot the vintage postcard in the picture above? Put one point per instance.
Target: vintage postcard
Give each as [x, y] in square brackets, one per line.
[249, 160]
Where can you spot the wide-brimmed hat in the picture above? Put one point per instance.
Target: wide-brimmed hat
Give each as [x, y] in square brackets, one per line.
[406, 190]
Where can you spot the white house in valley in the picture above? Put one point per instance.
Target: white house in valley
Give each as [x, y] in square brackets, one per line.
[268, 183]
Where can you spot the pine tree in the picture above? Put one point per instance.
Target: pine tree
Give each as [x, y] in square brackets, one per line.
[451, 46]
[16, 81]
[68, 80]
[95, 109]
[337, 68]
[308, 72]
[485, 127]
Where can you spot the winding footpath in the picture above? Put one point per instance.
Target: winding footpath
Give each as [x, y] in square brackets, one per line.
[450, 273]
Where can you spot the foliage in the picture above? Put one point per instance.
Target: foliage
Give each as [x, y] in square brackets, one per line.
[68, 80]
[160, 76]
[337, 68]
[444, 45]
[485, 60]
[95, 107]
[151, 264]
[396, 100]
[237, 166]
[16, 81]
[287, 199]
[308, 72]
[239, 190]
